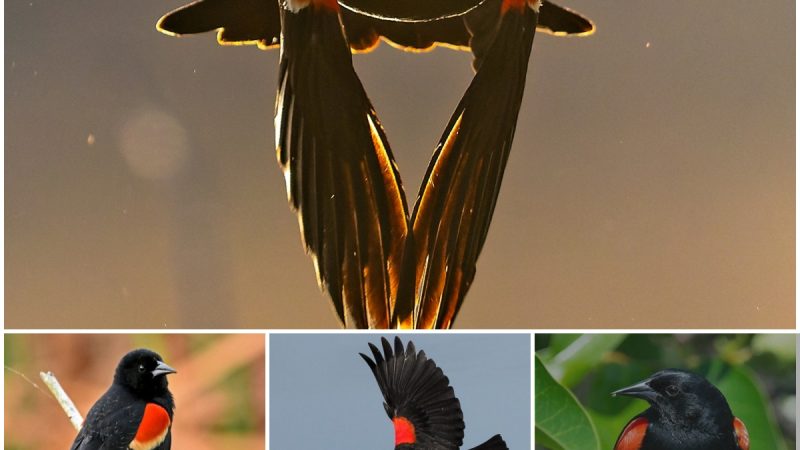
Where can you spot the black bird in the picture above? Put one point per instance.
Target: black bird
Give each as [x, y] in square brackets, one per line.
[383, 266]
[136, 412]
[419, 400]
[686, 413]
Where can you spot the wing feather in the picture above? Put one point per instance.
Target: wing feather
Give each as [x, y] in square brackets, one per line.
[340, 173]
[457, 199]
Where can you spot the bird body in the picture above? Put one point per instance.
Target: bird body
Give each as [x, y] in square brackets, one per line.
[686, 413]
[419, 400]
[136, 412]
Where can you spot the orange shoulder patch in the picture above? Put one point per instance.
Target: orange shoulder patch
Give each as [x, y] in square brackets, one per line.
[632, 436]
[742, 436]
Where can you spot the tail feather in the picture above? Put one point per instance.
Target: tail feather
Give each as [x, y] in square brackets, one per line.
[258, 22]
[237, 21]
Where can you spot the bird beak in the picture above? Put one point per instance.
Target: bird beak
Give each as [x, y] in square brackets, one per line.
[163, 369]
[641, 390]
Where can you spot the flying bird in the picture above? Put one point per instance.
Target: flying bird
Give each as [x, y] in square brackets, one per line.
[419, 400]
[383, 265]
[136, 412]
[686, 413]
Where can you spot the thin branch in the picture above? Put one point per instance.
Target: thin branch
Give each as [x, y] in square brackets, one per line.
[62, 398]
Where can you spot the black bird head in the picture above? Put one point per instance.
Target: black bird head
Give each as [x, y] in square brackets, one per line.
[143, 372]
[682, 397]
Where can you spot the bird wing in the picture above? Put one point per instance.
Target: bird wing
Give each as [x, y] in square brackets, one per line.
[457, 199]
[340, 175]
[742, 436]
[496, 442]
[632, 435]
[112, 423]
[417, 397]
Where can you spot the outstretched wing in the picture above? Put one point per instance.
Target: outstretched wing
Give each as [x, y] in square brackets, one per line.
[417, 397]
[457, 199]
[340, 175]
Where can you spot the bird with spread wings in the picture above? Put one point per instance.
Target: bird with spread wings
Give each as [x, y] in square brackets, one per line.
[384, 265]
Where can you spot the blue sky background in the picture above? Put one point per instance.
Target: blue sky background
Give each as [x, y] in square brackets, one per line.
[323, 395]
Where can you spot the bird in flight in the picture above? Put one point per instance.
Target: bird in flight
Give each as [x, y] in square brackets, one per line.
[136, 412]
[384, 265]
[686, 413]
[419, 400]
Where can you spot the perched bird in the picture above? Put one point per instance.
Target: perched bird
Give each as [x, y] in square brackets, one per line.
[419, 400]
[136, 412]
[686, 413]
[383, 265]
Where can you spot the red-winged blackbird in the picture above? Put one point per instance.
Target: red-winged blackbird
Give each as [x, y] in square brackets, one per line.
[383, 266]
[419, 400]
[137, 410]
[686, 413]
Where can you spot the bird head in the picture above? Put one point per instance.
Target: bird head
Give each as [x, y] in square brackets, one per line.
[143, 371]
[681, 397]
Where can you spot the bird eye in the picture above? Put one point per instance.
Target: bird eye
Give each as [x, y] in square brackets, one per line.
[672, 390]
[141, 368]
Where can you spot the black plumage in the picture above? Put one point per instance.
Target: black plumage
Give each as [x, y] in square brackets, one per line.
[382, 266]
[258, 22]
[416, 391]
[686, 413]
[117, 421]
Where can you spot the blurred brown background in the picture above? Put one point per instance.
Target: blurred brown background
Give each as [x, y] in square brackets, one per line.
[218, 390]
[651, 183]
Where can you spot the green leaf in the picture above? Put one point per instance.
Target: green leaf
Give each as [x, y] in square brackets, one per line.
[783, 346]
[561, 421]
[741, 388]
[583, 354]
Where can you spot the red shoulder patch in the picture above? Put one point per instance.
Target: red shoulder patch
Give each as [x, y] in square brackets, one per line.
[154, 424]
[329, 5]
[403, 431]
[516, 5]
[742, 436]
[632, 436]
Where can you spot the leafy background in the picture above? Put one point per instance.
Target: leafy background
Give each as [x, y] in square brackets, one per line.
[575, 375]
[219, 387]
